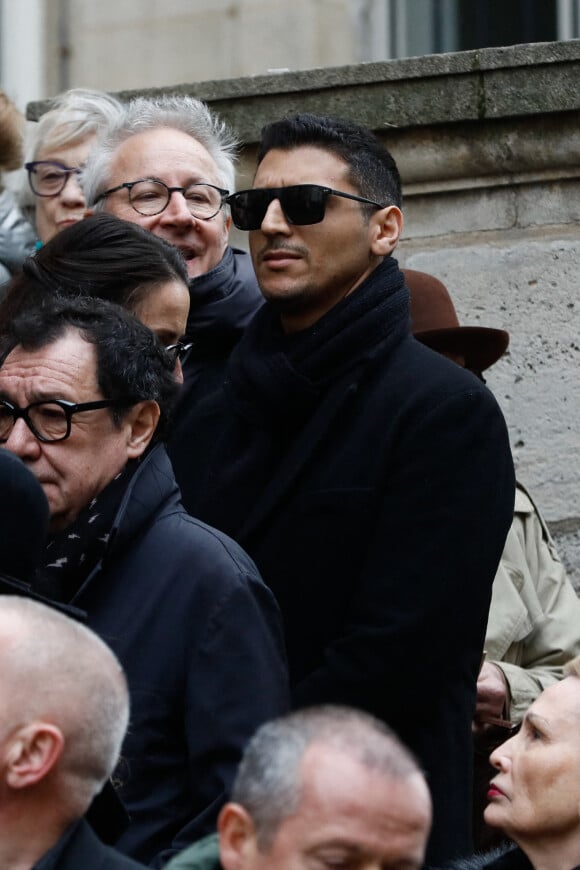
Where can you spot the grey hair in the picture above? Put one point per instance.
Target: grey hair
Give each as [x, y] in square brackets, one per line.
[183, 113]
[73, 116]
[61, 671]
[268, 782]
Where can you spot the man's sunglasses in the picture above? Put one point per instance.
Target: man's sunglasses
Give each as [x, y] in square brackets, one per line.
[301, 203]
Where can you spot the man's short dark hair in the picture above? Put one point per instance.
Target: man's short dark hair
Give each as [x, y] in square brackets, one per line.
[132, 364]
[372, 169]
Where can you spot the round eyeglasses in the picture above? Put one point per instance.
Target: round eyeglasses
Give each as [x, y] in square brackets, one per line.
[150, 197]
[49, 177]
[179, 350]
[48, 421]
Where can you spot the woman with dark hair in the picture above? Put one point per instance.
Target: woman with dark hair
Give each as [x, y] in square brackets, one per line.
[111, 259]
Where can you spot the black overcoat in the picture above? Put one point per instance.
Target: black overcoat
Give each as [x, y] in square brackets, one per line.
[82, 850]
[380, 532]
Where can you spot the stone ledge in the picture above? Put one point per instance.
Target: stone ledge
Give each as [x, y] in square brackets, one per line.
[412, 92]
[490, 152]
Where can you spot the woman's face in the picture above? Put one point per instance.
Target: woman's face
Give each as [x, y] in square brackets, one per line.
[535, 796]
[54, 213]
[164, 310]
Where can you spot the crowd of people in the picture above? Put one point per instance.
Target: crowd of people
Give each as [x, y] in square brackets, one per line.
[251, 482]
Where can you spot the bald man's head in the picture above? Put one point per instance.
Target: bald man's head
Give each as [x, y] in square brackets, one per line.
[57, 672]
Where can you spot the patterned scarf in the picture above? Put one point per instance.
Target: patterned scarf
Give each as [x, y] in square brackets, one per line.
[72, 554]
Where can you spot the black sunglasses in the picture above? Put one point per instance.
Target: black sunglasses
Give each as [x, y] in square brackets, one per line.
[301, 203]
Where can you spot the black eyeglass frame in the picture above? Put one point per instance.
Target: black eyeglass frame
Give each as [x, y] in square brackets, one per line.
[69, 409]
[129, 185]
[179, 349]
[67, 172]
[273, 193]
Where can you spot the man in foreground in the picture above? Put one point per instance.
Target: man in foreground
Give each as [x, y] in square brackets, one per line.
[325, 787]
[85, 397]
[370, 479]
[64, 713]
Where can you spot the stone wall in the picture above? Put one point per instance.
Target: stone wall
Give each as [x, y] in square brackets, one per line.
[488, 144]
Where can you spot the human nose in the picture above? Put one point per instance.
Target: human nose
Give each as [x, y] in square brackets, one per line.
[501, 757]
[274, 221]
[22, 442]
[72, 191]
[176, 210]
[178, 371]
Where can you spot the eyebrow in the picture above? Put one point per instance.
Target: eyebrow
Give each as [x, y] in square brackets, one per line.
[535, 718]
[194, 179]
[35, 396]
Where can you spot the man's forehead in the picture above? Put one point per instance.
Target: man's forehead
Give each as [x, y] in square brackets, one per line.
[302, 164]
[66, 364]
[160, 149]
[353, 811]
[334, 780]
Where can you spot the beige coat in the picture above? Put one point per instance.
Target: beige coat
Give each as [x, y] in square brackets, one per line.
[534, 619]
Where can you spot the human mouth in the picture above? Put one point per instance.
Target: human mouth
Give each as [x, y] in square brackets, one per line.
[68, 222]
[279, 259]
[494, 791]
[187, 253]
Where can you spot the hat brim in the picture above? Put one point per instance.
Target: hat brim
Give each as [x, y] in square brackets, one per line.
[480, 346]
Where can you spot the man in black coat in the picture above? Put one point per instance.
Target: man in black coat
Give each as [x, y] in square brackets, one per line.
[64, 713]
[370, 479]
[85, 396]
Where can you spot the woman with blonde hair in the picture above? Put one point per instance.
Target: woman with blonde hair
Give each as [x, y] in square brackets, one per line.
[534, 798]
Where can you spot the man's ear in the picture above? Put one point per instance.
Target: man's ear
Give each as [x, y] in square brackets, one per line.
[386, 227]
[237, 837]
[32, 753]
[141, 420]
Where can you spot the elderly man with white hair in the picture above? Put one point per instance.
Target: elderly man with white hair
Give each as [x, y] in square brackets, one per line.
[168, 163]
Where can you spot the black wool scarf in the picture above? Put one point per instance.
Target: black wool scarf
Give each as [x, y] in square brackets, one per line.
[275, 382]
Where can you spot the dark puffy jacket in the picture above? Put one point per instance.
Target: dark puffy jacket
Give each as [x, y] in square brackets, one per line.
[223, 301]
[199, 636]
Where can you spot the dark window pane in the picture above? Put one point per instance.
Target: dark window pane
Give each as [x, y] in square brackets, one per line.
[484, 23]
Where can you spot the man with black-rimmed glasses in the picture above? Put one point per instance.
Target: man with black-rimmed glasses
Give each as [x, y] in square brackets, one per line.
[370, 479]
[85, 397]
